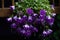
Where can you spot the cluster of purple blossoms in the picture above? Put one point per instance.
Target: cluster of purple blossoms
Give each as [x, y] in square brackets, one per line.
[24, 23]
[27, 30]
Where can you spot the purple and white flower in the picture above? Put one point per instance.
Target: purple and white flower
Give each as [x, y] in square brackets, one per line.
[30, 19]
[35, 14]
[24, 17]
[15, 18]
[9, 19]
[49, 20]
[12, 7]
[47, 32]
[26, 26]
[19, 20]
[42, 15]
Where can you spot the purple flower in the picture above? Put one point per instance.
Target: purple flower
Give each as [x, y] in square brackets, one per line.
[49, 20]
[29, 11]
[13, 25]
[15, 18]
[23, 31]
[30, 19]
[9, 19]
[44, 32]
[20, 20]
[12, 7]
[42, 18]
[35, 14]
[35, 29]
[42, 15]
[26, 26]
[47, 32]
[24, 17]
[42, 12]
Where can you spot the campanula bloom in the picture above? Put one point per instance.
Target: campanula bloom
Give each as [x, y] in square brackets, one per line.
[12, 7]
[47, 32]
[29, 11]
[9, 19]
[49, 20]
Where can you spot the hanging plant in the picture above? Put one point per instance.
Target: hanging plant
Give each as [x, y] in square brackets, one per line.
[28, 14]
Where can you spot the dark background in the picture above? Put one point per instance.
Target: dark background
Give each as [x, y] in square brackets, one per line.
[8, 3]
